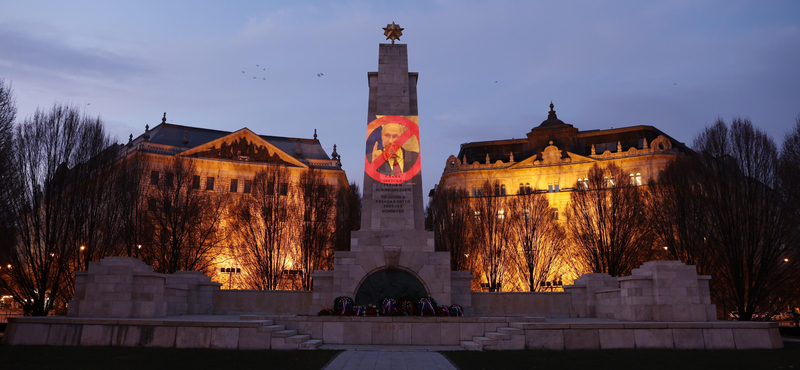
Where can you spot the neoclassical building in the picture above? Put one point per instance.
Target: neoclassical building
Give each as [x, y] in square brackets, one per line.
[226, 161]
[555, 157]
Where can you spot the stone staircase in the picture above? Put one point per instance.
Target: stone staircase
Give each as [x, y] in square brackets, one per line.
[511, 337]
[282, 338]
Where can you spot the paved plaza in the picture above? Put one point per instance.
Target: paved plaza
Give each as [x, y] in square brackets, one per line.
[390, 359]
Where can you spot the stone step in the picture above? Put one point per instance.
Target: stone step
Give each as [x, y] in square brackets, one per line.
[271, 328]
[484, 341]
[284, 333]
[310, 344]
[523, 325]
[471, 346]
[511, 331]
[534, 319]
[300, 338]
[497, 336]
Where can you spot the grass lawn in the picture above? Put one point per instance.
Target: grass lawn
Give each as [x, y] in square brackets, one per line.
[786, 359]
[62, 358]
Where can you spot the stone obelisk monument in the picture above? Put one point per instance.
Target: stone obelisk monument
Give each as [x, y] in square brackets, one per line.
[392, 256]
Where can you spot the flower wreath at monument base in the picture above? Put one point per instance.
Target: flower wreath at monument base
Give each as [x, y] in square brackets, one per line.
[425, 307]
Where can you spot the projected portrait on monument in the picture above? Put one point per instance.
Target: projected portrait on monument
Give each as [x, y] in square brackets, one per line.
[392, 151]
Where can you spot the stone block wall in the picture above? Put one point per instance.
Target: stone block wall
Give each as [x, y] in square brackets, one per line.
[461, 290]
[281, 302]
[126, 287]
[663, 291]
[118, 287]
[583, 292]
[521, 304]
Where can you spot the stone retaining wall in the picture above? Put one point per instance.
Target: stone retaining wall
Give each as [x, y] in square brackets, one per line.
[257, 332]
[521, 304]
[287, 302]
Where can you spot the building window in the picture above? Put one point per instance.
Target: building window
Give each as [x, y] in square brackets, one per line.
[521, 188]
[209, 183]
[234, 185]
[270, 188]
[248, 185]
[195, 182]
[609, 182]
[499, 190]
[583, 184]
[552, 187]
[555, 213]
[170, 179]
[477, 191]
[636, 179]
[527, 188]
[154, 178]
[501, 215]
[284, 188]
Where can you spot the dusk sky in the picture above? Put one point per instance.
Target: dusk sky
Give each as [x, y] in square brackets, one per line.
[488, 69]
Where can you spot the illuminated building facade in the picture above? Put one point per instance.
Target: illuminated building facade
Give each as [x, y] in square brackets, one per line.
[554, 157]
[227, 162]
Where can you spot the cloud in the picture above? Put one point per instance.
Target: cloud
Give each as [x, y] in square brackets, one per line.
[25, 53]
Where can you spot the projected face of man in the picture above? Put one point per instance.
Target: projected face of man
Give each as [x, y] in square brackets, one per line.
[390, 132]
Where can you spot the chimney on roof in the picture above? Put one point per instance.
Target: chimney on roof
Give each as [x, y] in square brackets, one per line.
[185, 137]
[299, 151]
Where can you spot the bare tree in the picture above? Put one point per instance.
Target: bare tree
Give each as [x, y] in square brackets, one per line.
[348, 215]
[678, 214]
[49, 163]
[451, 216]
[607, 224]
[132, 201]
[540, 240]
[8, 113]
[185, 220]
[317, 204]
[262, 227]
[752, 225]
[492, 236]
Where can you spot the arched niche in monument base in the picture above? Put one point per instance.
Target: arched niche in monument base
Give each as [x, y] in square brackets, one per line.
[390, 283]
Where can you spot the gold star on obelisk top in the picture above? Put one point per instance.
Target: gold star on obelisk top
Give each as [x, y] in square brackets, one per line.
[392, 32]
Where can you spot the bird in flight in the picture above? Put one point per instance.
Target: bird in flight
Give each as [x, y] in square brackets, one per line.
[320, 74]
[242, 71]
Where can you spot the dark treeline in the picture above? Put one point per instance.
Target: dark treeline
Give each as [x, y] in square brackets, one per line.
[72, 196]
[730, 208]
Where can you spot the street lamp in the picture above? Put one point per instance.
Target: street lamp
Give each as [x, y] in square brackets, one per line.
[83, 247]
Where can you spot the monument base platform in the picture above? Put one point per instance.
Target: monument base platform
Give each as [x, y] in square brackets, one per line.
[282, 332]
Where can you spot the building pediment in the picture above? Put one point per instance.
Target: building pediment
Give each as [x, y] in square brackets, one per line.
[243, 145]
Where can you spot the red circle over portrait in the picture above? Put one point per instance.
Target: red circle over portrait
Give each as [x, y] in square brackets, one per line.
[373, 167]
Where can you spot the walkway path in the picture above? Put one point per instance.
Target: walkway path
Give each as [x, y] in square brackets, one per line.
[389, 360]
